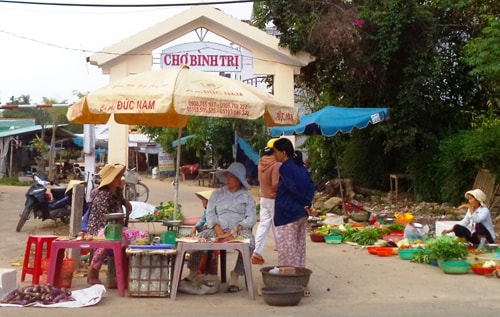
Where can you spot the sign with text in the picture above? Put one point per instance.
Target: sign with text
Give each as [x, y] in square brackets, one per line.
[205, 56]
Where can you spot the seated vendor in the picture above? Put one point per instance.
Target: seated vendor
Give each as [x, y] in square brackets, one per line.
[230, 213]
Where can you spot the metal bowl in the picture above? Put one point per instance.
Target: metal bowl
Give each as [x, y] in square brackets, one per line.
[114, 216]
[300, 277]
[363, 216]
[282, 295]
[172, 223]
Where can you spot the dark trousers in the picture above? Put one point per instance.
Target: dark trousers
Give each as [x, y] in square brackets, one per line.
[474, 238]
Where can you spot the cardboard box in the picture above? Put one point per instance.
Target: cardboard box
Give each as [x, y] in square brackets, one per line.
[7, 281]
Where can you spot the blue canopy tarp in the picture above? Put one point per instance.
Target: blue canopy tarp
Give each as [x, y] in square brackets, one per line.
[183, 140]
[330, 120]
[248, 150]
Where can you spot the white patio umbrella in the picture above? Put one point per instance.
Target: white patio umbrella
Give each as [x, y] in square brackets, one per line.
[166, 98]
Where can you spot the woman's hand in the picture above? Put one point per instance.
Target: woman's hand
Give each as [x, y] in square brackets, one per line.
[310, 211]
[128, 206]
[192, 232]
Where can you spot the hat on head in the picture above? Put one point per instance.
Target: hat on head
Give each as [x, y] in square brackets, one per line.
[204, 194]
[268, 150]
[238, 170]
[109, 173]
[478, 194]
[72, 183]
[270, 143]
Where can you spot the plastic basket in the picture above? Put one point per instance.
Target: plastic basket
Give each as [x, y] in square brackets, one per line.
[150, 272]
[132, 177]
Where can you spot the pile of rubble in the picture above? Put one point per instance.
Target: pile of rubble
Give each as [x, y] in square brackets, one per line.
[381, 205]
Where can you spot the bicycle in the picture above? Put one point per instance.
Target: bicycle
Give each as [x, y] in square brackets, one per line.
[134, 189]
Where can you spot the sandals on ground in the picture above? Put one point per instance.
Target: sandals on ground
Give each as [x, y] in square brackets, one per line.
[233, 289]
[257, 260]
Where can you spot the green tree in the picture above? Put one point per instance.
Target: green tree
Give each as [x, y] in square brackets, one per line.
[405, 55]
[56, 116]
[482, 54]
[214, 137]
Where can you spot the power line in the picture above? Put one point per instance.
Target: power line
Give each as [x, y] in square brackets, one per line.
[151, 5]
[2, 107]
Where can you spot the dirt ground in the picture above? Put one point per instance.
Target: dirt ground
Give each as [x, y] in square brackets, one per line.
[346, 280]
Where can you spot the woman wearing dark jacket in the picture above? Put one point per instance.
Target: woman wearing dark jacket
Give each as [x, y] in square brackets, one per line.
[293, 200]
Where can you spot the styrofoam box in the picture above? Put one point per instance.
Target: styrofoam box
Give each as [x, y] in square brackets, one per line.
[442, 225]
[7, 281]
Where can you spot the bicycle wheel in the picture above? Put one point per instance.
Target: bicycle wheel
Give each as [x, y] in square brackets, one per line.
[129, 192]
[142, 192]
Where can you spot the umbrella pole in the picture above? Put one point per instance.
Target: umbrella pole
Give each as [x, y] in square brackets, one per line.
[176, 180]
[341, 189]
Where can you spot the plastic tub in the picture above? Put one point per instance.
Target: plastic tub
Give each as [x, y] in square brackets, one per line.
[282, 295]
[480, 270]
[385, 251]
[407, 254]
[373, 249]
[316, 237]
[333, 239]
[455, 267]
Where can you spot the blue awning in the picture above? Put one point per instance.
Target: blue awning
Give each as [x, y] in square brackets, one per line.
[330, 120]
[78, 140]
[248, 150]
[183, 140]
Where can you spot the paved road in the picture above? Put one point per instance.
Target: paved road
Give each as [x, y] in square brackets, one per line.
[346, 280]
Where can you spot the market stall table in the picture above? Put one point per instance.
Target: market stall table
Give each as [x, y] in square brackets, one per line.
[183, 247]
[57, 255]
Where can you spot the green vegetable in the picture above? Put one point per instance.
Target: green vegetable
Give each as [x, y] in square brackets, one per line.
[164, 211]
[424, 256]
[396, 227]
[366, 236]
[334, 232]
[447, 248]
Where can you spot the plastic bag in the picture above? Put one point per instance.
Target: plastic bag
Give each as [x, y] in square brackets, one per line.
[201, 285]
[415, 231]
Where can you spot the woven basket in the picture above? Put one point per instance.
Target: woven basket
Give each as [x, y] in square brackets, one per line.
[300, 277]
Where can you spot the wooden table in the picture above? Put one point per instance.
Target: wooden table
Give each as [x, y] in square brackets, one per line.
[183, 247]
[396, 178]
[57, 255]
[205, 174]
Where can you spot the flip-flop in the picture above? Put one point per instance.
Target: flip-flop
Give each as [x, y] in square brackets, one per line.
[233, 289]
[257, 260]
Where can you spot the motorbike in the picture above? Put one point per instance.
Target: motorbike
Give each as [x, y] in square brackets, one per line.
[43, 205]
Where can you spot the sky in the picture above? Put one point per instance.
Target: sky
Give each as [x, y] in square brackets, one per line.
[43, 49]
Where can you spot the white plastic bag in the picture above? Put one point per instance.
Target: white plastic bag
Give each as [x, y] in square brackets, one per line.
[415, 231]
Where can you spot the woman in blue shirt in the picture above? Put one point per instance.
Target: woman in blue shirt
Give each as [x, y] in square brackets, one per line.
[292, 205]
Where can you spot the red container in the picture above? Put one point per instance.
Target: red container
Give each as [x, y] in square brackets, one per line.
[479, 269]
[316, 237]
[394, 236]
[373, 249]
[385, 251]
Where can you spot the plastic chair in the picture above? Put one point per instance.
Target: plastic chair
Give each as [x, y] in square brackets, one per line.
[36, 270]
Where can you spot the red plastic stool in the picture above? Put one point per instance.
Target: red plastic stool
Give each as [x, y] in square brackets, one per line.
[36, 269]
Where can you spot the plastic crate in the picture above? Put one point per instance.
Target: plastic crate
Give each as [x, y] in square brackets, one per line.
[150, 272]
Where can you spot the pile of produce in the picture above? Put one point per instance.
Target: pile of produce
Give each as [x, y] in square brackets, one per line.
[163, 212]
[367, 236]
[44, 294]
